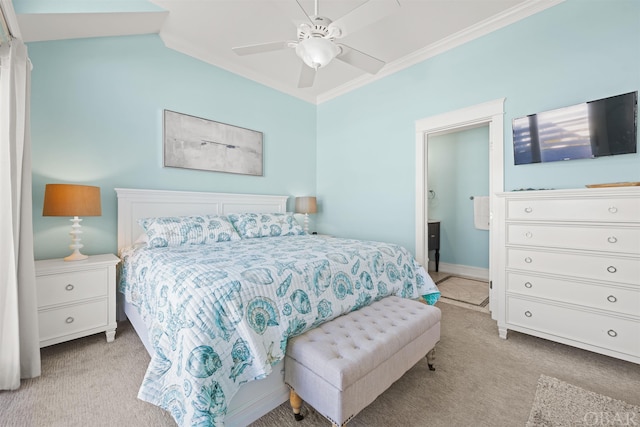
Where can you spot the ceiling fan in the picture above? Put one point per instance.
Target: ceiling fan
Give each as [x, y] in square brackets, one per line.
[317, 46]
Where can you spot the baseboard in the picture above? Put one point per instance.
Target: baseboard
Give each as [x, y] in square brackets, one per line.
[461, 270]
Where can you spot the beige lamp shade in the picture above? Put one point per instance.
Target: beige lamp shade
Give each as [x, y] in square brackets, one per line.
[306, 205]
[71, 200]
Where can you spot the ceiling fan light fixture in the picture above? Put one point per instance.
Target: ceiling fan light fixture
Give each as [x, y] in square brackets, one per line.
[317, 52]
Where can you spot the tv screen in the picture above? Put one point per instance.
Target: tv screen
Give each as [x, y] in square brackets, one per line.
[604, 127]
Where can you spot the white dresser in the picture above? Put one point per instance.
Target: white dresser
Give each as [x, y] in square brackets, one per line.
[571, 270]
[76, 298]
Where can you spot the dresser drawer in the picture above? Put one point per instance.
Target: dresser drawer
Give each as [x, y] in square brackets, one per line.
[619, 300]
[72, 319]
[73, 286]
[608, 239]
[576, 209]
[609, 268]
[599, 330]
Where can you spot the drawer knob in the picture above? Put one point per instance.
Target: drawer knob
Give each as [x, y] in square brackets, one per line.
[613, 209]
[612, 333]
[528, 209]
[528, 313]
[611, 269]
[612, 298]
[528, 234]
[528, 285]
[69, 319]
[612, 239]
[528, 260]
[69, 287]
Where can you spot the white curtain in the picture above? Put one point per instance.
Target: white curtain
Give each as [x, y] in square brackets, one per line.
[19, 344]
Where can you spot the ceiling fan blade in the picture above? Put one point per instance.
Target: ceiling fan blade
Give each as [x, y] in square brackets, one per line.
[307, 76]
[259, 48]
[360, 59]
[366, 14]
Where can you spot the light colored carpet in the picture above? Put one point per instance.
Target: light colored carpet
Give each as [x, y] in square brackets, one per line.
[469, 291]
[480, 380]
[559, 404]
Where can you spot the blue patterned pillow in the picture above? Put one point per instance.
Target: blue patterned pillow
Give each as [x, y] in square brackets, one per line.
[187, 230]
[252, 225]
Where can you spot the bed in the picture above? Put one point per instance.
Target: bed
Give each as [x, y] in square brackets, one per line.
[215, 317]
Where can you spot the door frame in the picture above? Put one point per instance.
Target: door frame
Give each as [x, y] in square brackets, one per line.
[489, 113]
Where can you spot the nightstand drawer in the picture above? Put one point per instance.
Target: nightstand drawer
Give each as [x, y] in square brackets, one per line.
[68, 287]
[72, 319]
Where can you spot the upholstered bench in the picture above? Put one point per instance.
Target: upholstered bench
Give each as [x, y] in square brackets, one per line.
[341, 366]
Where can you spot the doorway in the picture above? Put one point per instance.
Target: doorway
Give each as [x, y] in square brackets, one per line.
[489, 113]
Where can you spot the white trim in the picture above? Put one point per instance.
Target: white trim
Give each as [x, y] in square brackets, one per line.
[496, 22]
[491, 113]
[461, 270]
[179, 44]
[10, 22]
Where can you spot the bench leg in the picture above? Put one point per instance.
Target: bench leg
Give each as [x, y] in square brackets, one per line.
[296, 404]
[431, 358]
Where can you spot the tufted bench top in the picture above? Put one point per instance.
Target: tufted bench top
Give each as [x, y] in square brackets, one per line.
[349, 347]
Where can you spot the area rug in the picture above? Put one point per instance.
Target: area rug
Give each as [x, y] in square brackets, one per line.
[469, 291]
[559, 404]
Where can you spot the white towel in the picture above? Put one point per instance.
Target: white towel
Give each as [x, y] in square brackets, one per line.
[481, 212]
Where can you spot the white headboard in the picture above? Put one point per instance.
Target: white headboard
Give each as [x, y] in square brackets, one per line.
[134, 204]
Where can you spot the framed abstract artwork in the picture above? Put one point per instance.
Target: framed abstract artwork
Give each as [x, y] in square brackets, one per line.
[195, 143]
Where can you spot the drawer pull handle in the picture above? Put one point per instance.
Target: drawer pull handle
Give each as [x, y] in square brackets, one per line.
[612, 333]
[69, 287]
[612, 239]
[69, 319]
[528, 209]
[528, 234]
[528, 313]
[528, 285]
[613, 209]
[611, 269]
[528, 260]
[612, 298]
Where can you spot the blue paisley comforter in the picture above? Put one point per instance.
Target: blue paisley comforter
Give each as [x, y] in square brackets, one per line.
[220, 315]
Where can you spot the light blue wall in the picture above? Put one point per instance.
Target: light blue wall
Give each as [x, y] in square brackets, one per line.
[96, 113]
[97, 119]
[573, 52]
[459, 169]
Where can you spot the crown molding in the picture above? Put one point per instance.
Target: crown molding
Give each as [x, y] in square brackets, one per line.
[485, 27]
[184, 47]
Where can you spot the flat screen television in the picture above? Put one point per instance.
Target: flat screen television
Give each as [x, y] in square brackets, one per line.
[604, 127]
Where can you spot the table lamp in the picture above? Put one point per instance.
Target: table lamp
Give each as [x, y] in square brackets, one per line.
[306, 205]
[75, 201]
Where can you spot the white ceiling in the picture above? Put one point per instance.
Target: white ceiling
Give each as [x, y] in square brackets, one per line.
[208, 29]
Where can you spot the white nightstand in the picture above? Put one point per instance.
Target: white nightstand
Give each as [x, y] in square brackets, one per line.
[76, 298]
